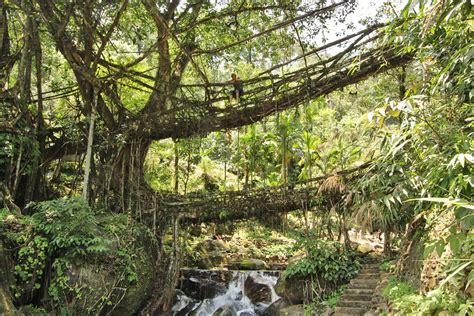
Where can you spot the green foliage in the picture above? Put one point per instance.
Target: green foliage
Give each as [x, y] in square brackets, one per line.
[65, 234]
[3, 214]
[14, 148]
[70, 226]
[396, 289]
[405, 300]
[326, 259]
[316, 307]
[335, 296]
[61, 231]
[457, 273]
[424, 167]
[60, 283]
[425, 139]
[125, 257]
[31, 310]
[267, 242]
[278, 249]
[388, 266]
[30, 265]
[421, 147]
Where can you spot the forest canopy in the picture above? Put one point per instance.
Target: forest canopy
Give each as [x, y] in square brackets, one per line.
[128, 105]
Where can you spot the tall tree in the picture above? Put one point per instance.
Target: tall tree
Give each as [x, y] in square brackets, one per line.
[142, 68]
[179, 38]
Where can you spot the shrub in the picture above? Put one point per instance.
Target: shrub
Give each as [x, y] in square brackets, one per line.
[63, 227]
[78, 259]
[404, 299]
[325, 259]
[326, 266]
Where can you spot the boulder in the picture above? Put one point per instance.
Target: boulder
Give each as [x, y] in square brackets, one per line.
[110, 284]
[211, 253]
[291, 289]
[182, 305]
[202, 284]
[257, 292]
[275, 308]
[200, 289]
[212, 245]
[364, 248]
[248, 264]
[114, 274]
[260, 308]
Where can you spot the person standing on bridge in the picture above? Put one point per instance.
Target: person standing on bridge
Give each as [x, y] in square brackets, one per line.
[238, 88]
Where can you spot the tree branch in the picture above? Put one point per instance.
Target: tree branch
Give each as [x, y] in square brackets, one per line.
[203, 120]
[273, 28]
[224, 14]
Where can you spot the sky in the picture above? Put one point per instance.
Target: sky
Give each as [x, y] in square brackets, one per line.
[366, 9]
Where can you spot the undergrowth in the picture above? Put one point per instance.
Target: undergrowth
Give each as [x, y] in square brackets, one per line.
[404, 299]
[51, 246]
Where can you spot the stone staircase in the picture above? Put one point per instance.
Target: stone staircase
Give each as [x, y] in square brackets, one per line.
[357, 299]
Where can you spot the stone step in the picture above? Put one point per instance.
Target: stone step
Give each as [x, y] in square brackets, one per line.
[371, 265]
[356, 297]
[369, 270]
[353, 311]
[368, 275]
[350, 303]
[364, 280]
[354, 291]
[362, 284]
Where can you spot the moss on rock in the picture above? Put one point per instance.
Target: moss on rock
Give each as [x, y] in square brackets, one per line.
[73, 259]
[120, 280]
[248, 264]
[211, 253]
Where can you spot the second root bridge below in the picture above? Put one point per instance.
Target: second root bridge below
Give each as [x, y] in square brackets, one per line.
[261, 202]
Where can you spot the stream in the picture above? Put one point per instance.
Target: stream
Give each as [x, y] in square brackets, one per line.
[225, 293]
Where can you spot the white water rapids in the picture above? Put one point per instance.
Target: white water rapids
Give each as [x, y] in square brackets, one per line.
[234, 301]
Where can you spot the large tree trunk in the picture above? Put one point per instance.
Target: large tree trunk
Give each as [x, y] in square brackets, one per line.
[119, 182]
[21, 183]
[36, 183]
[168, 268]
[6, 61]
[119, 185]
[6, 304]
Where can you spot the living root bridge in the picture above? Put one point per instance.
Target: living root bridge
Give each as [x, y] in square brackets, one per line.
[251, 203]
[197, 117]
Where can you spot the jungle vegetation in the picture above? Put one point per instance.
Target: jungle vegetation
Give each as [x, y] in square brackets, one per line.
[116, 135]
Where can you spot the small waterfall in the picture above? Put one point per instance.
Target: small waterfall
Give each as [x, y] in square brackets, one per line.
[235, 301]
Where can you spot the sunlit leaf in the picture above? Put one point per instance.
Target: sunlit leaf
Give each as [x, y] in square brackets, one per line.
[440, 246]
[458, 270]
[454, 243]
